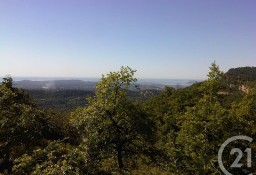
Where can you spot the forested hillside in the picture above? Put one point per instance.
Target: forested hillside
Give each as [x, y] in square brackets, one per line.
[175, 132]
[69, 100]
[240, 74]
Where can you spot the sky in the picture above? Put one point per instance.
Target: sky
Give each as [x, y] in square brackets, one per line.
[159, 38]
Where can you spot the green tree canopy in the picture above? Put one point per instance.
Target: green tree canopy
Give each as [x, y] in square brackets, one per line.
[114, 128]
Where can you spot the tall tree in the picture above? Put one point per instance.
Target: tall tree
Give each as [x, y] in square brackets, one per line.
[115, 128]
[202, 128]
[213, 84]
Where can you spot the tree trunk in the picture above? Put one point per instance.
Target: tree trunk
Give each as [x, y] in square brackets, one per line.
[120, 157]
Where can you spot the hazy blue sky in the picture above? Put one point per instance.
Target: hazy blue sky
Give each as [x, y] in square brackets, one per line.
[159, 38]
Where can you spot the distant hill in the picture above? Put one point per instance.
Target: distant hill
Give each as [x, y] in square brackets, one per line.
[240, 75]
[89, 85]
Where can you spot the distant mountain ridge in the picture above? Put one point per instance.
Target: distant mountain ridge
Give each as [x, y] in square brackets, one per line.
[236, 76]
[91, 85]
[241, 74]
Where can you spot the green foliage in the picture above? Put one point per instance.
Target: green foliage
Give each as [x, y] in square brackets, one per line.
[200, 136]
[21, 123]
[215, 74]
[114, 128]
[56, 159]
[66, 101]
[192, 123]
[23, 127]
[175, 132]
[213, 84]
[240, 74]
[62, 100]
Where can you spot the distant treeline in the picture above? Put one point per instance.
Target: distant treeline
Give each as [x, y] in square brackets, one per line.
[69, 100]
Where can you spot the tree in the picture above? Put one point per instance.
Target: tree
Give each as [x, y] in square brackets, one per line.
[7, 81]
[213, 84]
[21, 124]
[215, 74]
[202, 128]
[113, 126]
[202, 131]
